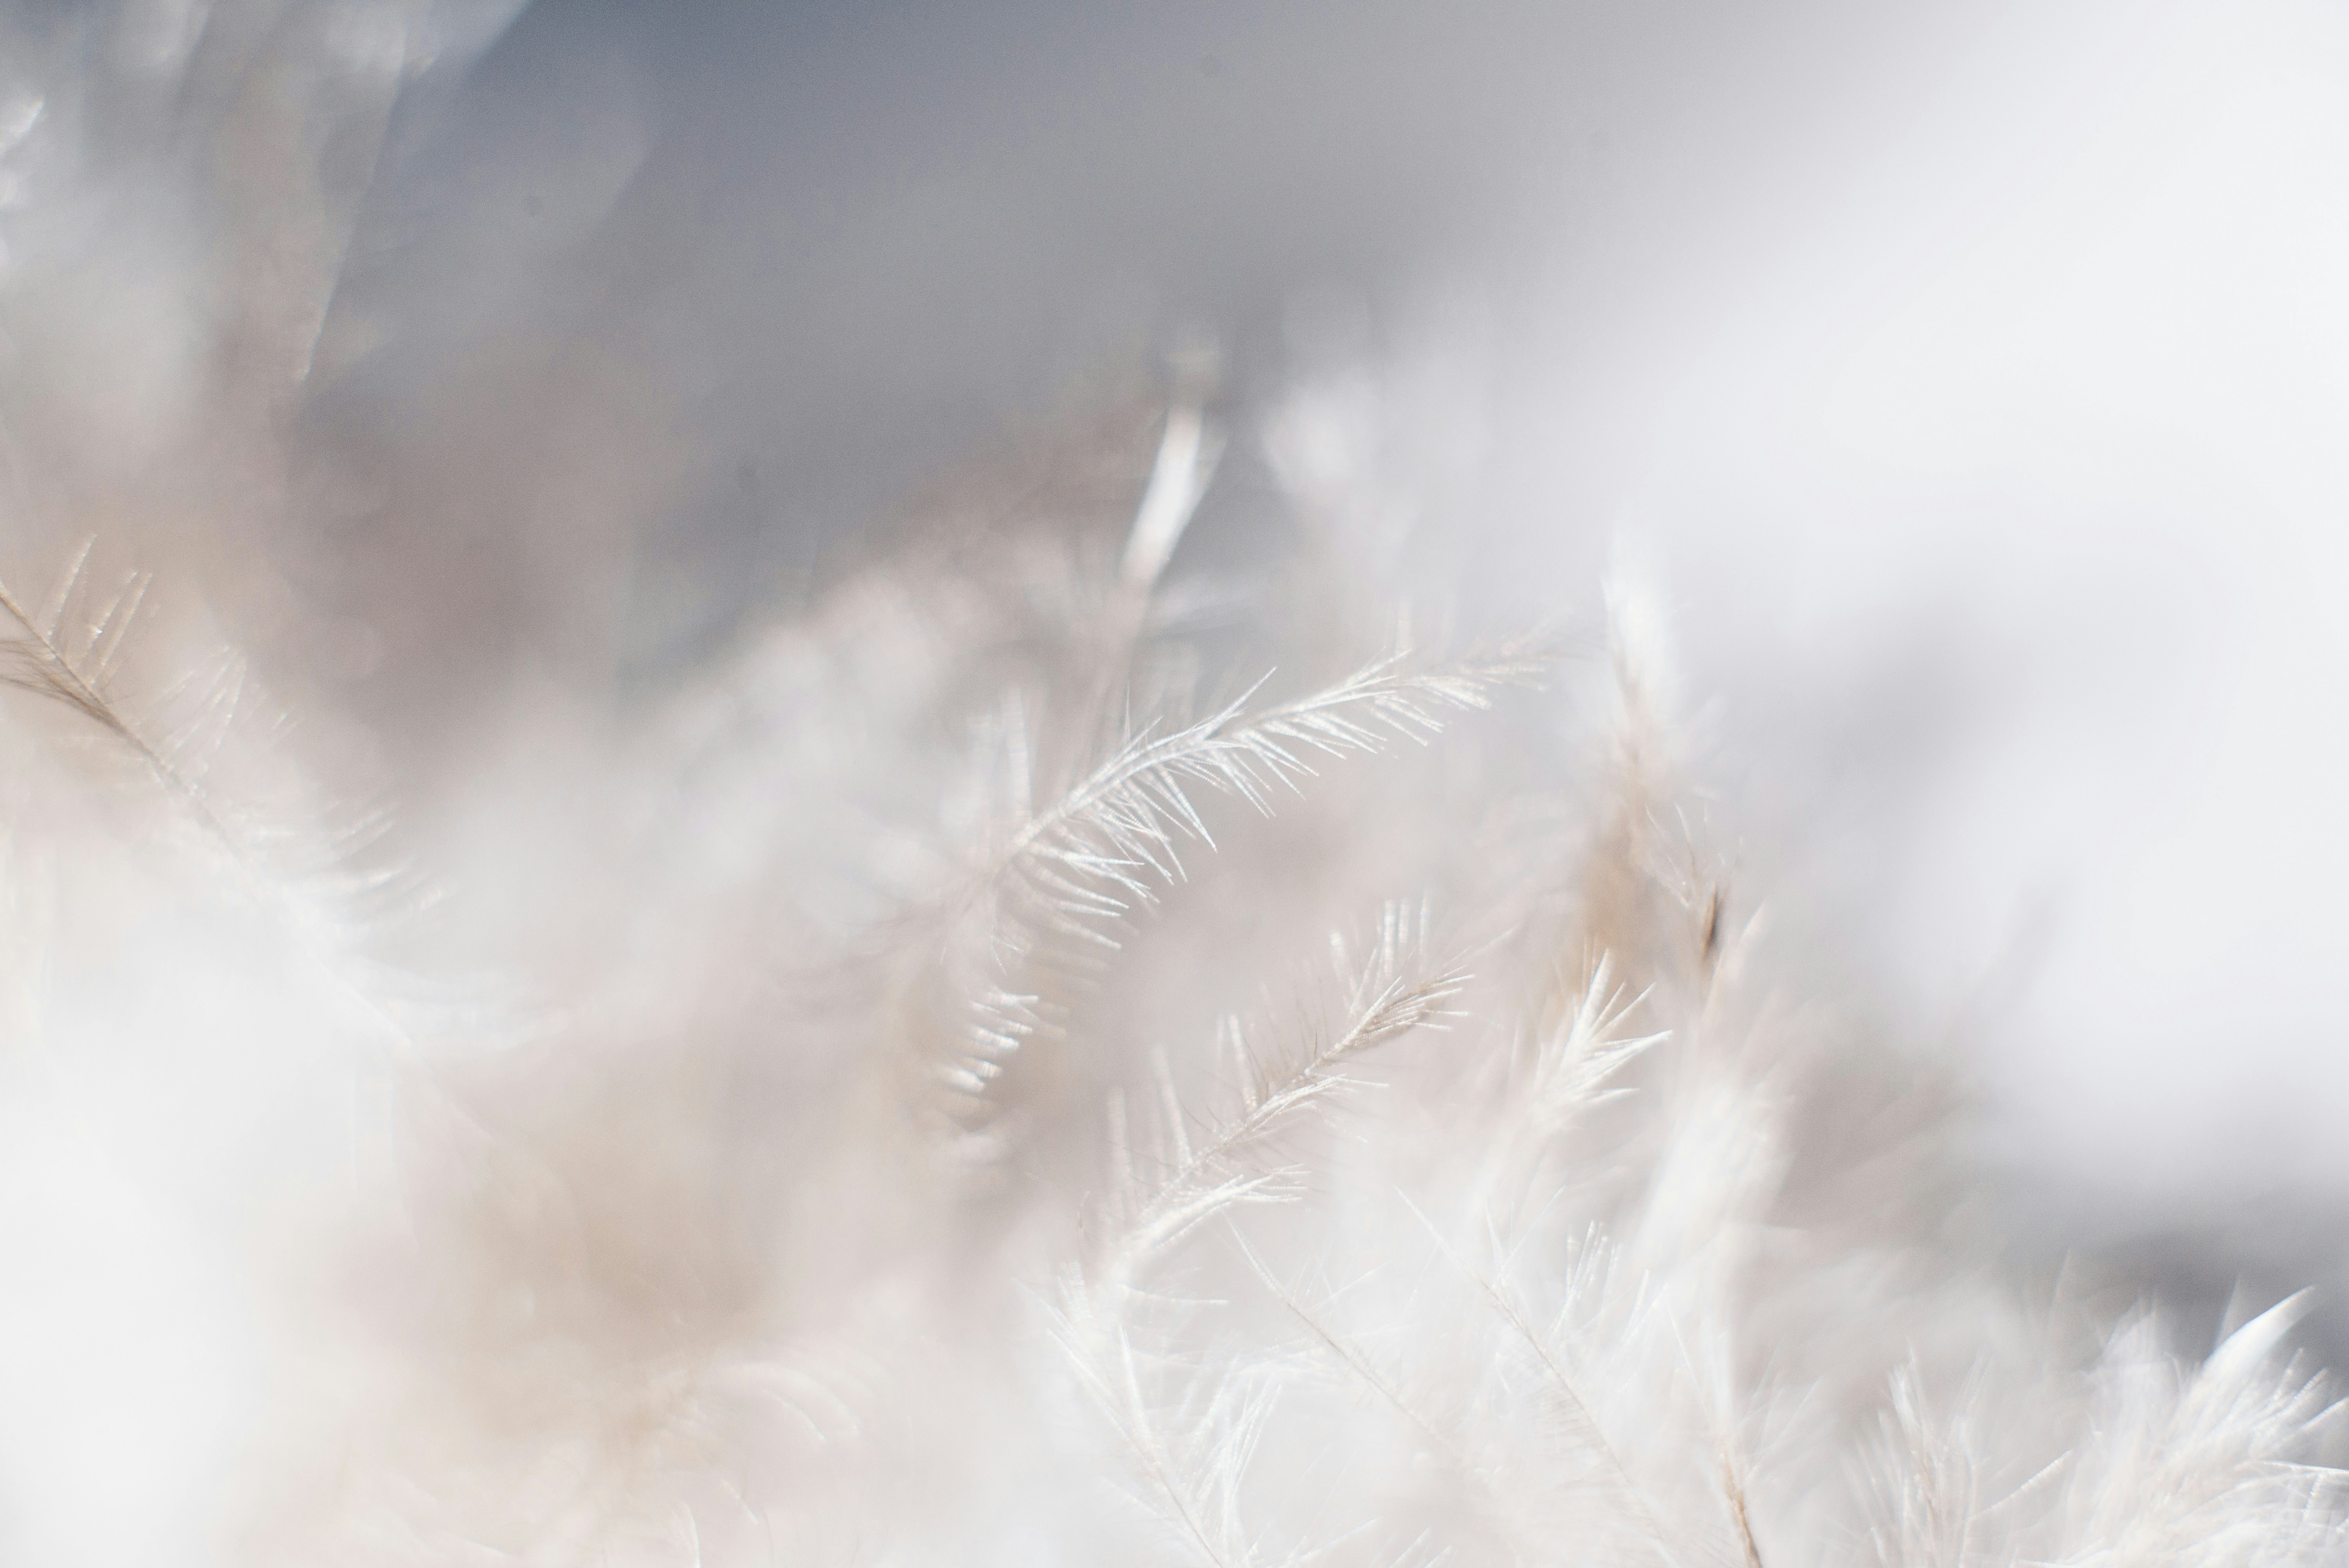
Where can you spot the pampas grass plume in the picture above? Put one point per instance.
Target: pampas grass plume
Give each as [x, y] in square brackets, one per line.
[1051, 1046]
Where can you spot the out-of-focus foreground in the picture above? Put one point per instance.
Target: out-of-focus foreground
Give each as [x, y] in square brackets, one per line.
[1018, 786]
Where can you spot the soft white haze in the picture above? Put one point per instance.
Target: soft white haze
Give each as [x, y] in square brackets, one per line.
[595, 422]
[2005, 469]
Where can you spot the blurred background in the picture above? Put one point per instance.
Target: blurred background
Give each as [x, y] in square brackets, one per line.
[1968, 383]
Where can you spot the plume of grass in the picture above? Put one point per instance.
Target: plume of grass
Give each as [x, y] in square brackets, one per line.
[1115, 838]
[1207, 1175]
[1642, 1262]
[69, 649]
